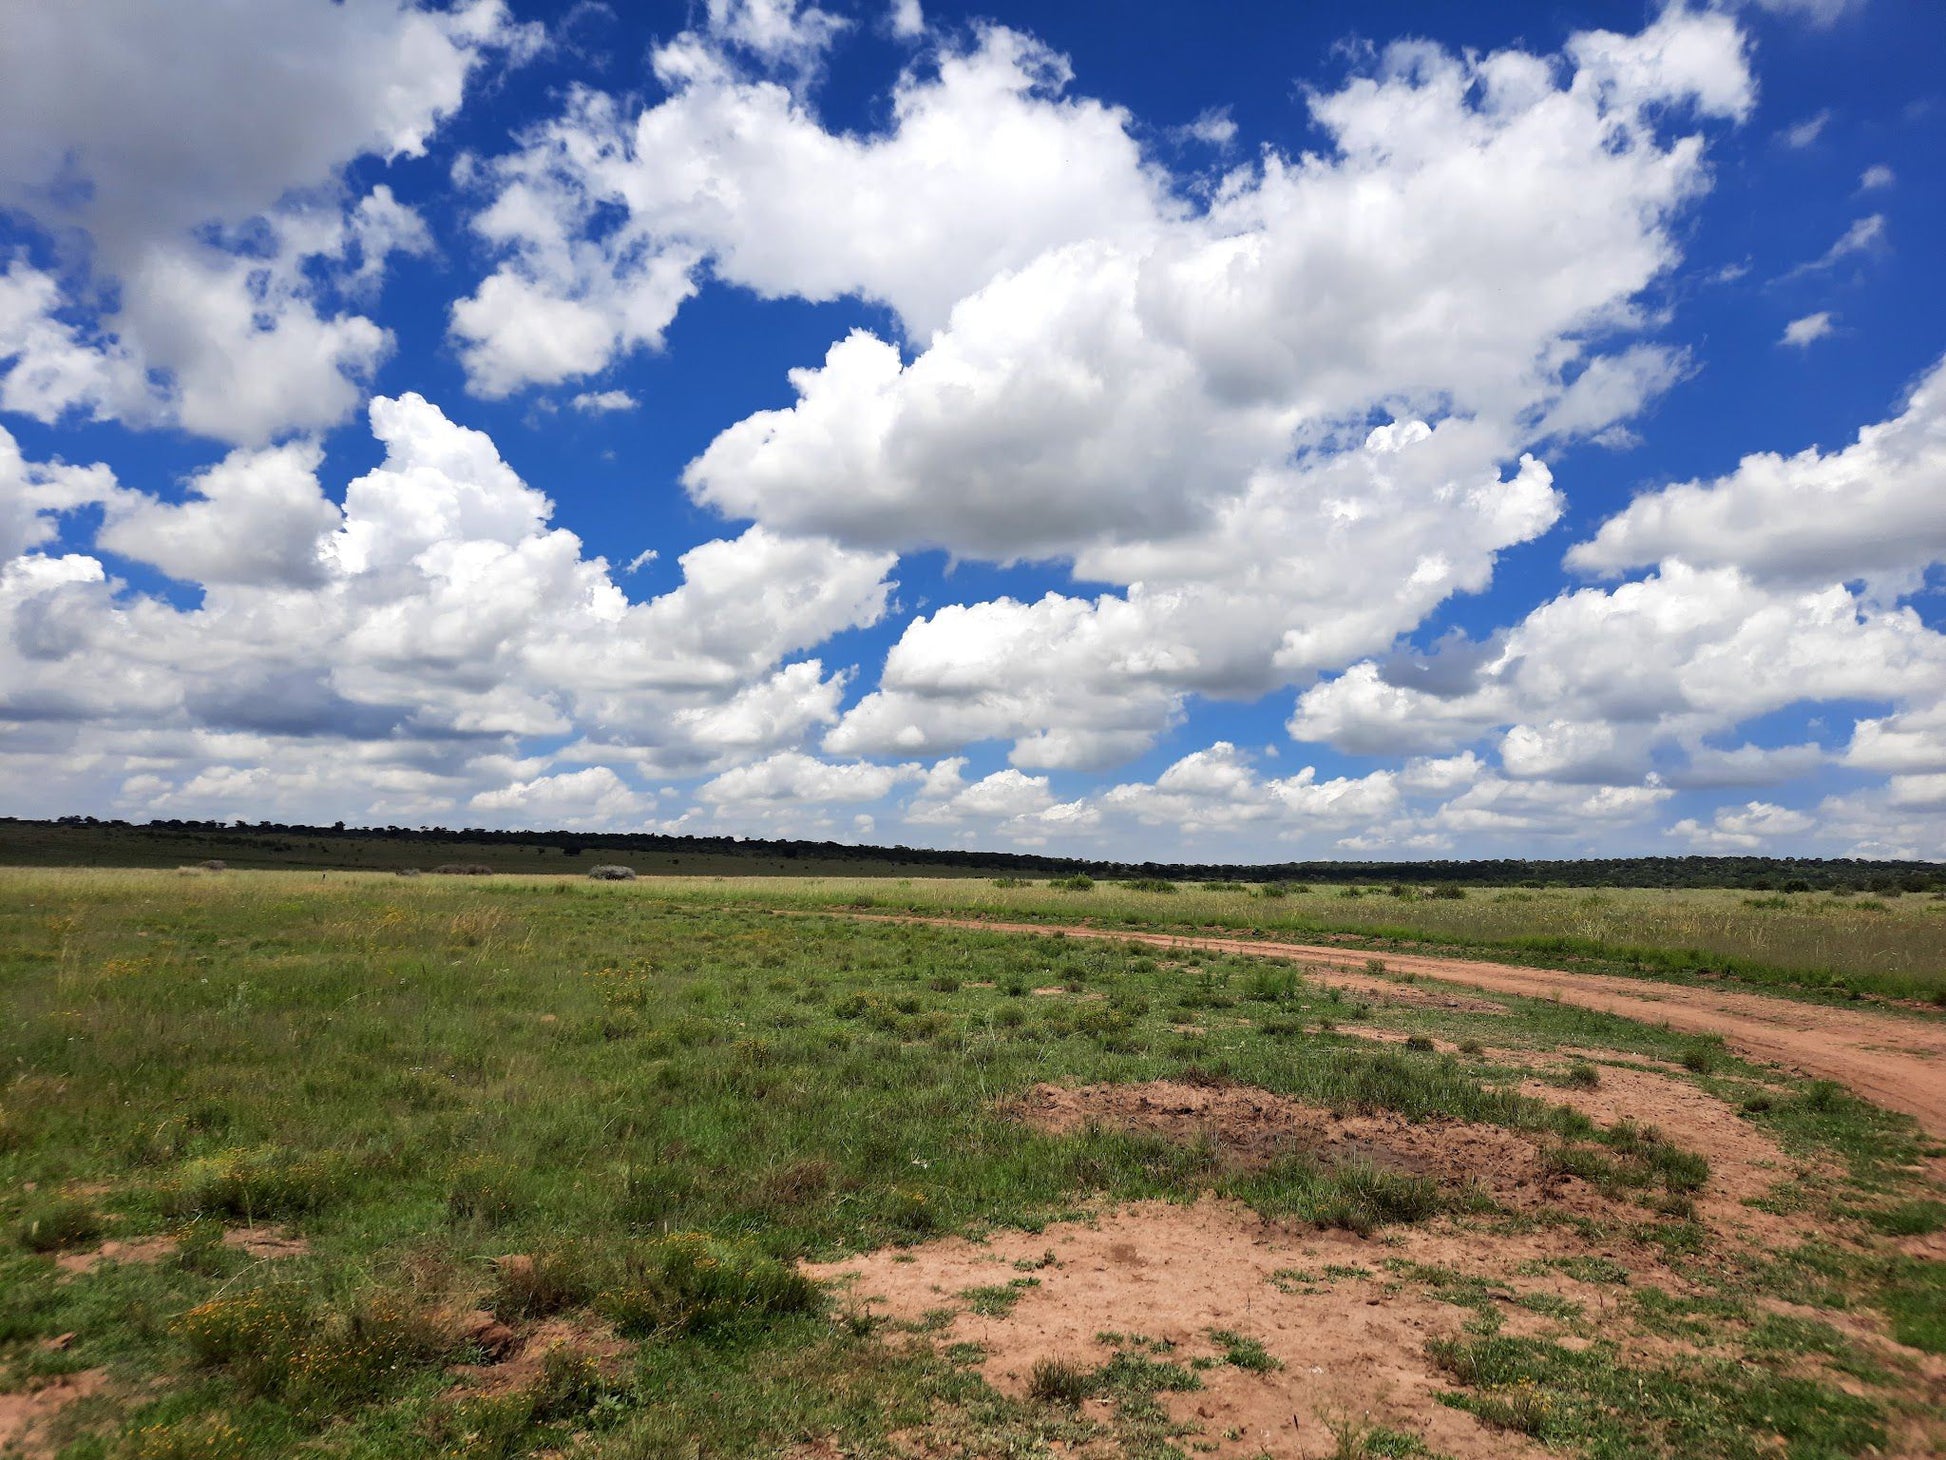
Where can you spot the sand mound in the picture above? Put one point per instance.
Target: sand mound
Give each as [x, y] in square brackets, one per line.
[1250, 1127]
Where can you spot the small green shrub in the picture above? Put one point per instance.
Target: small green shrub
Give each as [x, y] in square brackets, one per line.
[689, 1282]
[58, 1225]
[1244, 1353]
[272, 1341]
[545, 1282]
[486, 1192]
[1699, 1059]
[257, 1184]
[1059, 1381]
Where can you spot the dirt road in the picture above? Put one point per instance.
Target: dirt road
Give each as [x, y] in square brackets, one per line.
[1892, 1060]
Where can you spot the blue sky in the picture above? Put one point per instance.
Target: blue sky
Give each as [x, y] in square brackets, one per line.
[1152, 430]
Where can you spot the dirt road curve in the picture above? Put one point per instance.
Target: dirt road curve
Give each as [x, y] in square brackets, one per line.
[1891, 1060]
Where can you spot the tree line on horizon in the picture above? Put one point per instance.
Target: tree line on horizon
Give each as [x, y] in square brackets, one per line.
[243, 839]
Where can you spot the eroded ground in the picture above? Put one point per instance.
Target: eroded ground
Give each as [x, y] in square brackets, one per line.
[1226, 1333]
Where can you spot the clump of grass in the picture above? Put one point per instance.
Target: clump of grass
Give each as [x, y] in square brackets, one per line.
[200, 1437]
[1059, 1381]
[256, 1184]
[1581, 1076]
[1244, 1353]
[689, 1282]
[1700, 1059]
[1356, 1196]
[1523, 1406]
[1917, 1218]
[274, 1342]
[911, 1211]
[550, 1280]
[1420, 1043]
[998, 1299]
[483, 1192]
[59, 1225]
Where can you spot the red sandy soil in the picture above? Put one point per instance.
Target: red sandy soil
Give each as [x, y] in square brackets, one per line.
[1893, 1060]
[24, 1417]
[1351, 1342]
[260, 1242]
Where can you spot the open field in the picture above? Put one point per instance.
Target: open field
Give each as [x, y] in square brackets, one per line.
[1892, 946]
[353, 1165]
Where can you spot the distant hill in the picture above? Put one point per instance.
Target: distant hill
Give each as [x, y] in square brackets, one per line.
[85, 841]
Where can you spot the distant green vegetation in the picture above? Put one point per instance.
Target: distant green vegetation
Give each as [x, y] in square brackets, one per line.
[86, 841]
[655, 1104]
[1892, 946]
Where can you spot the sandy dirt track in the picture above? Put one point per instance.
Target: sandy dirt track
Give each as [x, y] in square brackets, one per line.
[1892, 1060]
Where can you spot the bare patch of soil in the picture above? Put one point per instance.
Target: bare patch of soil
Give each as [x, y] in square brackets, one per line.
[25, 1417]
[516, 1357]
[1345, 1318]
[1170, 1274]
[1744, 1162]
[137, 1249]
[259, 1242]
[266, 1242]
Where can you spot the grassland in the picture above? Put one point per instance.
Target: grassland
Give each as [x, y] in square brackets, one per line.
[659, 1098]
[1835, 946]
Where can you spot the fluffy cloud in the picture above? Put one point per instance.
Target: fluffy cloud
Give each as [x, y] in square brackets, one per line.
[603, 217]
[594, 798]
[1808, 330]
[1681, 654]
[1776, 585]
[791, 776]
[1873, 509]
[197, 154]
[1182, 409]
[436, 616]
[1746, 828]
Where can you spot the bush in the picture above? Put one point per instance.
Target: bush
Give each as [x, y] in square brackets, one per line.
[610, 872]
[1079, 882]
[1059, 1381]
[59, 1225]
[256, 1184]
[1149, 884]
[688, 1282]
[545, 1282]
[483, 1192]
[462, 869]
[1699, 1059]
[272, 1341]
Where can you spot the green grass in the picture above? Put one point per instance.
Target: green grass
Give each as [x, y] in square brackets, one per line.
[661, 1102]
[1811, 944]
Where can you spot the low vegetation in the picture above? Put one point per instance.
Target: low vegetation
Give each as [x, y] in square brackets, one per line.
[544, 1156]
